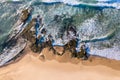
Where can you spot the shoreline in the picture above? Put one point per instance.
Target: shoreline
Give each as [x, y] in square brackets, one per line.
[92, 60]
[31, 66]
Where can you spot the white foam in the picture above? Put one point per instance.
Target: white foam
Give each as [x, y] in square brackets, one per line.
[111, 53]
[75, 2]
[103, 0]
[58, 42]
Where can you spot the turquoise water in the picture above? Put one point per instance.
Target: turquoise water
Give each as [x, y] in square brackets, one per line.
[8, 17]
[92, 21]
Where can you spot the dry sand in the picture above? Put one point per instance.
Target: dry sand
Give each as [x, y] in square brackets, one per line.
[34, 67]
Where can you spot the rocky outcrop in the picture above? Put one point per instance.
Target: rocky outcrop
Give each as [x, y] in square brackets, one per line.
[34, 35]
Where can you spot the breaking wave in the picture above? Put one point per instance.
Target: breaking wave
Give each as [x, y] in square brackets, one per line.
[94, 3]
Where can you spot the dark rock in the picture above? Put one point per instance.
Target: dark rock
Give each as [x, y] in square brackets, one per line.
[71, 46]
[82, 54]
[25, 15]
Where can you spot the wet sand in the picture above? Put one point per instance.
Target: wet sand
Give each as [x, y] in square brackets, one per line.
[50, 67]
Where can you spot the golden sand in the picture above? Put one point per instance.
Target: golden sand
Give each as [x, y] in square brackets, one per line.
[34, 67]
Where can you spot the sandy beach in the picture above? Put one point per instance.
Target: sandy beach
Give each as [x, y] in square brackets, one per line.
[33, 67]
[62, 33]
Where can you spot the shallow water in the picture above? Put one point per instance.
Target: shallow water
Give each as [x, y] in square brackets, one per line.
[8, 17]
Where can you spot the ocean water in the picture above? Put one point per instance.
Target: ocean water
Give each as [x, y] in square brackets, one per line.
[8, 17]
[97, 21]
